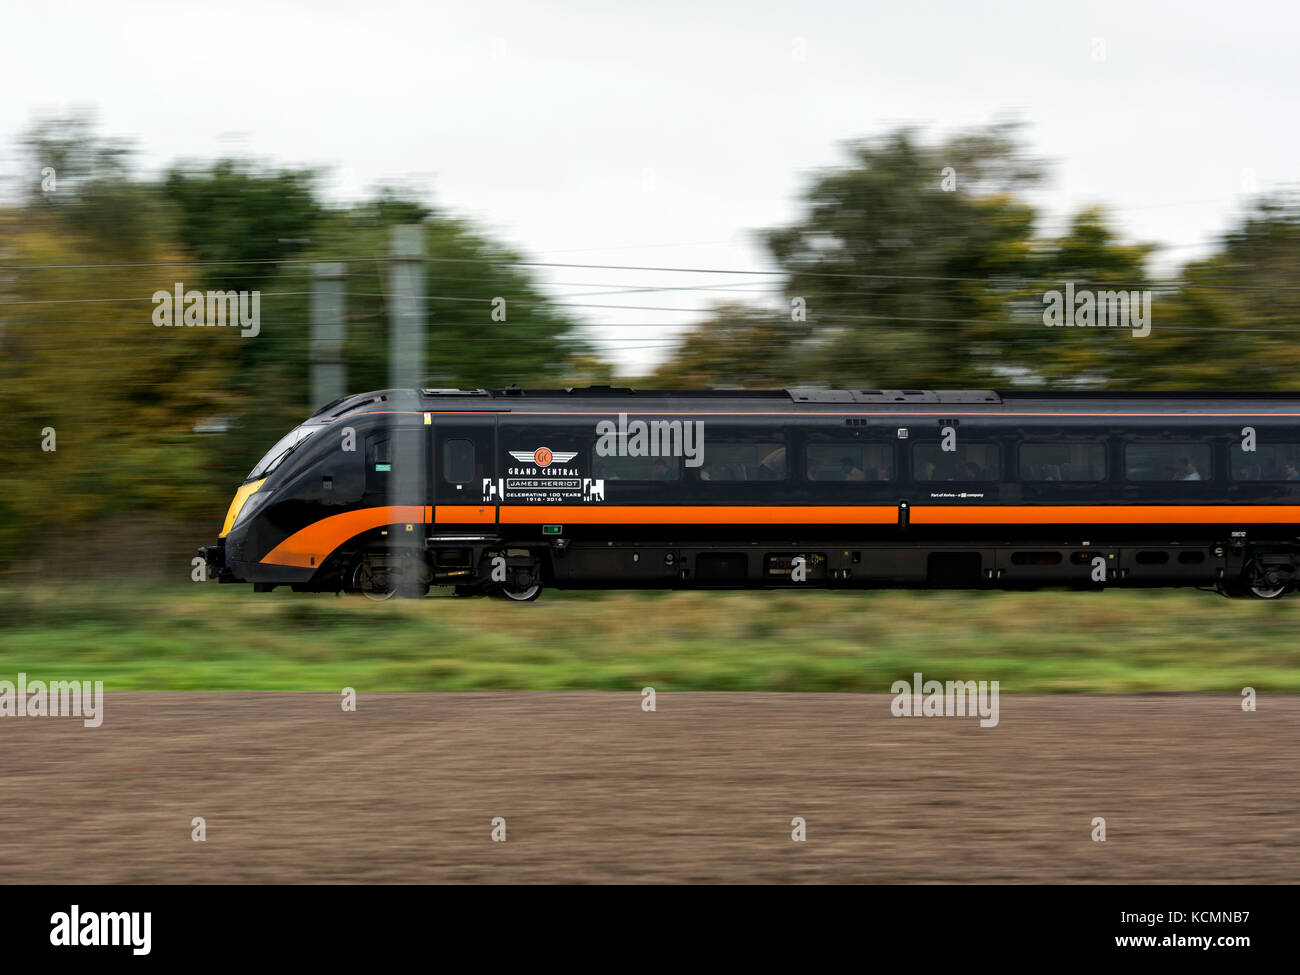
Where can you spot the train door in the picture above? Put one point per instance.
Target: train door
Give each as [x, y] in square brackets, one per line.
[396, 466]
[466, 489]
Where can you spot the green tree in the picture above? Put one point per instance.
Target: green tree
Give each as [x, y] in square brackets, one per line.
[92, 192]
[1016, 347]
[471, 284]
[919, 265]
[1232, 321]
[79, 351]
[739, 346]
[239, 220]
[895, 253]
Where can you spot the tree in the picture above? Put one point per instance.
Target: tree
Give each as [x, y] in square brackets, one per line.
[1016, 347]
[240, 220]
[919, 265]
[895, 253]
[119, 394]
[739, 346]
[92, 191]
[80, 352]
[488, 324]
[1232, 322]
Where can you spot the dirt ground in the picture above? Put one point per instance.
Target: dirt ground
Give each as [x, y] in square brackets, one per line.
[704, 789]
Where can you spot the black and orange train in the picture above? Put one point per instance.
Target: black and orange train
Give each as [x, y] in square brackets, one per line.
[506, 491]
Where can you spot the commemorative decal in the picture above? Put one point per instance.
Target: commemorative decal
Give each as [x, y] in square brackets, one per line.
[543, 476]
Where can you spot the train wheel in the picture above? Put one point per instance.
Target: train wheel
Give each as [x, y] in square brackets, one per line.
[525, 595]
[1268, 582]
[375, 584]
[1266, 592]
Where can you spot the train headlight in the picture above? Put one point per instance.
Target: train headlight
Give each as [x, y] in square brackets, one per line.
[253, 505]
[247, 500]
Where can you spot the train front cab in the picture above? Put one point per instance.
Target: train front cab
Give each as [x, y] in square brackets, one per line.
[383, 503]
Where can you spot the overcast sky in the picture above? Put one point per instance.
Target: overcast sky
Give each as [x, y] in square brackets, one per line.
[663, 134]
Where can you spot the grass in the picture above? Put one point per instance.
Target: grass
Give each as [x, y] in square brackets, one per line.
[228, 638]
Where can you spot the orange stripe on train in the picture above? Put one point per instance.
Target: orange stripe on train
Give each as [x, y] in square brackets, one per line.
[309, 547]
[888, 514]
[607, 514]
[465, 514]
[1101, 514]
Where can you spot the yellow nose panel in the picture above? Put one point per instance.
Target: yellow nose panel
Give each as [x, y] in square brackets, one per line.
[242, 495]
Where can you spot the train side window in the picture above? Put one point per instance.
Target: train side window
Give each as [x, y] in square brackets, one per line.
[1267, 462]
[458, 461]
[734, 461]
[395, 466]
[1167, 462]
[379, 465]
[637, 468]
[969, 462]
[849, 462]
[1062, 461]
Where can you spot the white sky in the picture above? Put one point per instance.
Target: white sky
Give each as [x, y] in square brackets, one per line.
[663, 134]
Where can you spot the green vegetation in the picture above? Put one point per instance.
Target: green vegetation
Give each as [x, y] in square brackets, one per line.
[917, 263]
[226, 638]
[81, 355]
[904, 280]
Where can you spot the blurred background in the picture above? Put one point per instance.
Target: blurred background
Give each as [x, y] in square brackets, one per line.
[835, 195]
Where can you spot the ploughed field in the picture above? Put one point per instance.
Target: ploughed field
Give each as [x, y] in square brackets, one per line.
[591, 787]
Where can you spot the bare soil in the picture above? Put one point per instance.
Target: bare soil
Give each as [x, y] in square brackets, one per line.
[593, 789]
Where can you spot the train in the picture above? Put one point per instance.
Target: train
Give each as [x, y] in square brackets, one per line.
[506, 492]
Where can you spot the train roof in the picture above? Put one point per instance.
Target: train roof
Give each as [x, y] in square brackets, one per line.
[606, 399]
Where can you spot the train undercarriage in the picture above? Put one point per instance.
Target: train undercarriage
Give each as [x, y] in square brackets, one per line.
[493, 565]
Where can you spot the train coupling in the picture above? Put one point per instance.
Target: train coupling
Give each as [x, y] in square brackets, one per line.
[214, 560]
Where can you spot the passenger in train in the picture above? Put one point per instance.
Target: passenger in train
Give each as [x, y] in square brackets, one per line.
[851, 472]
[772, 467]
